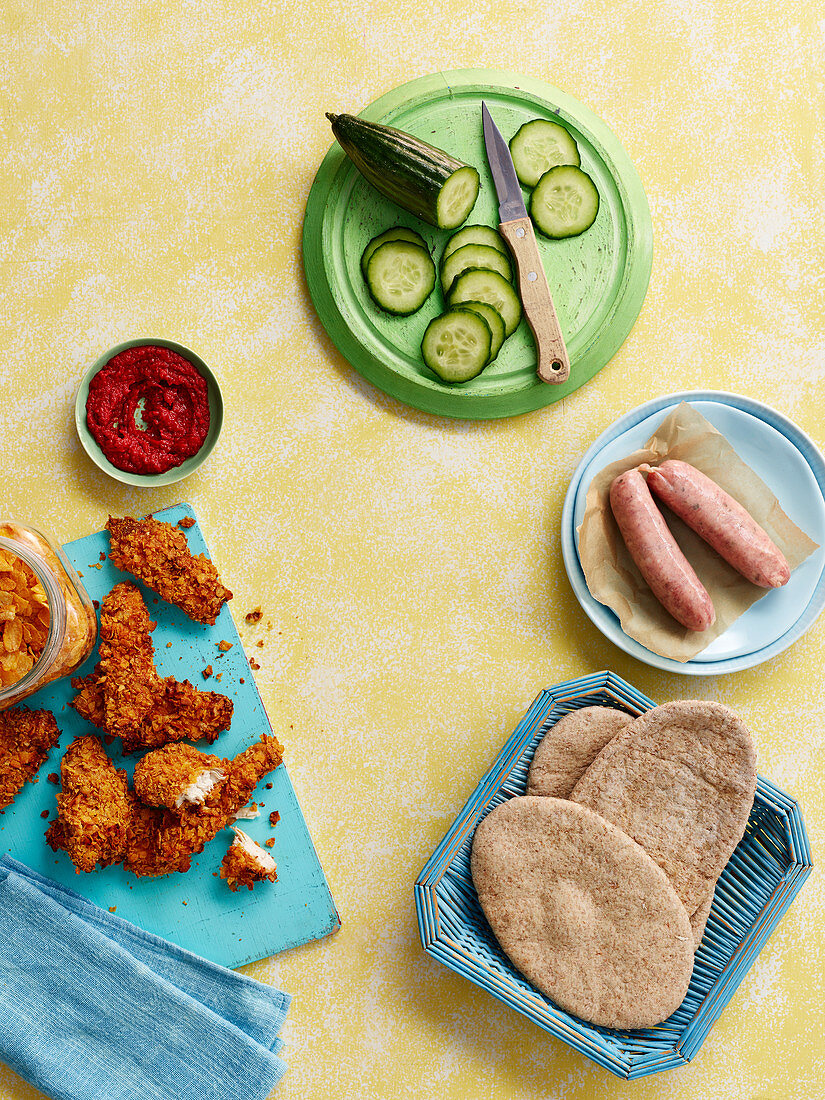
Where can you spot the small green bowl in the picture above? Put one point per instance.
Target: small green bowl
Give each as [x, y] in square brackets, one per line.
[177, 473]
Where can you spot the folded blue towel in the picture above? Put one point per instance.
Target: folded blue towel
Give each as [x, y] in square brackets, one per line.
[93, 1008]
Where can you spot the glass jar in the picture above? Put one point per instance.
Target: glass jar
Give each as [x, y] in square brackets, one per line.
[47, 622]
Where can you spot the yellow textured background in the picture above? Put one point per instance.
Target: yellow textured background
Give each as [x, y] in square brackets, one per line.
[156, 162]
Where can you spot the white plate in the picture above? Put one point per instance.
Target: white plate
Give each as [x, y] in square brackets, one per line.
[792, 467]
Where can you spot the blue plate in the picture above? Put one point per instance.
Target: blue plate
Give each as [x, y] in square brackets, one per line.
[793, 468]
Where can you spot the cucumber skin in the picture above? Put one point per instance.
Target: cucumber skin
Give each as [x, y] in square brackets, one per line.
[408, 171]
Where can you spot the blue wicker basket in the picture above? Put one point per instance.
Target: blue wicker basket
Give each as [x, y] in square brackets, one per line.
[761, 879]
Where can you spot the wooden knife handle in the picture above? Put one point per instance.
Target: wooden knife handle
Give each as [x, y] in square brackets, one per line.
[553, 361]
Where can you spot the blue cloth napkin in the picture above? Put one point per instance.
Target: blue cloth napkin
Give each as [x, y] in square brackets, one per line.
[93, 1008]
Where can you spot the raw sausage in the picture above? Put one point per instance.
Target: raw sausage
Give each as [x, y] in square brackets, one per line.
[656, 553]
[721, 521]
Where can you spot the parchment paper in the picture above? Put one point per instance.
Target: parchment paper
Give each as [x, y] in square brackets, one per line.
[611, 574]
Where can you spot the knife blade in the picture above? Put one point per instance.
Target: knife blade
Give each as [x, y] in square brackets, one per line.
[552, 360]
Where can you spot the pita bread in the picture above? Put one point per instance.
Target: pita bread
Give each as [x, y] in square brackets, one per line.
[699, 919]
[680, 781]
[566, 752]
[569, 748]
[583, 912]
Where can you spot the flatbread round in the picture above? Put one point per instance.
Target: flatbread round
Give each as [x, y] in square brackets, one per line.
[566, 752]
[699, 919]
[583, 912]
[680, 781]
[569, 748]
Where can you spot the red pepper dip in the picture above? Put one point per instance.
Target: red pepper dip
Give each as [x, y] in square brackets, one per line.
[148, 409]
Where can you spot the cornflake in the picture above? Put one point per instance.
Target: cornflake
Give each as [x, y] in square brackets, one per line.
[24, 618]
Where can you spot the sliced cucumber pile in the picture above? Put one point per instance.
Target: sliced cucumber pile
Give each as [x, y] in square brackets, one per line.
[456, 345]
[473, 255]
[397, 233]
[474, 234]
[400, 276]
[564, 203]
[539, 146]
[482, 307]
[489, 287]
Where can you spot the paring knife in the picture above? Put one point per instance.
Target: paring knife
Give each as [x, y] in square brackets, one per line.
[517, 230]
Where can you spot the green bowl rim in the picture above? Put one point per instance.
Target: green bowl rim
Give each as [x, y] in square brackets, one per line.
[177, 473]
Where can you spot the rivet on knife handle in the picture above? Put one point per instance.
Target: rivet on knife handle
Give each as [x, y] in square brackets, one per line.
[553, 362]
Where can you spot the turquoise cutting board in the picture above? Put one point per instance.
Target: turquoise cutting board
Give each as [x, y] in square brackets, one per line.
[598, 280]
[196, 910]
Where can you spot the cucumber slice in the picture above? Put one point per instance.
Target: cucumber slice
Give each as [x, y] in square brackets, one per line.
[490, 287]
[456, 345]
[564, 203]
[473, 255]
[494, 320]
[457, 198]
[400, 277]
[539, 146]
[474, 234]
[397, 233]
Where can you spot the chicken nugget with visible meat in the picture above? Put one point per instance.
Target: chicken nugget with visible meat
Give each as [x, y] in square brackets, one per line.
[158, 554]
[26, 737]
[161, 841]
[93, 806]
[246, 863]
[177, 777]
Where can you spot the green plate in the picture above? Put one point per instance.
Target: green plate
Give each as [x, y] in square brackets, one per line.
[598, 280]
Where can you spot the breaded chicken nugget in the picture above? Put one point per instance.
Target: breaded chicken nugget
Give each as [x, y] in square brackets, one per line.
[93, 806]
[158, 554]
[180, 712]
[177, 777]
[26, 736]
[125, 696]
[161, 841]
[246, 863]
[130, 683]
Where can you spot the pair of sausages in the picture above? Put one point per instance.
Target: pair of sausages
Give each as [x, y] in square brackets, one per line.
[714, 515]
